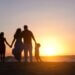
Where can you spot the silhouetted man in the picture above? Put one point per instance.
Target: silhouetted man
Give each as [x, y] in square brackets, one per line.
[27, 38]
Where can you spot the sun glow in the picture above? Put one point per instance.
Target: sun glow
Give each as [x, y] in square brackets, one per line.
[51, 47]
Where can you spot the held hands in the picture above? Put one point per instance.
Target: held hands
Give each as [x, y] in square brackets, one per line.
[35, 42]
[10, 46]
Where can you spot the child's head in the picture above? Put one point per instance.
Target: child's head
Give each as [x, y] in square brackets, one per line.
[2, 34]
[38, 45]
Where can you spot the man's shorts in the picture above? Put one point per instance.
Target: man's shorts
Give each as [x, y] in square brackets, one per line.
[27, 47]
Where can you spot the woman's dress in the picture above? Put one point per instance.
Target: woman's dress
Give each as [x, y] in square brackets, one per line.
[18, 47]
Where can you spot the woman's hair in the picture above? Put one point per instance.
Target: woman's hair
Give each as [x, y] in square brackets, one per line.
[17, 33]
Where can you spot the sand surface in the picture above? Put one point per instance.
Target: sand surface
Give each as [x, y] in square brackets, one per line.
[49, 68]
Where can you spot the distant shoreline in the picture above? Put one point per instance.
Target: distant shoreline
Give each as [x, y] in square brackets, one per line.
[47, 58]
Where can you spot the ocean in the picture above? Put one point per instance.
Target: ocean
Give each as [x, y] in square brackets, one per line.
[58, 59]
[46, 59]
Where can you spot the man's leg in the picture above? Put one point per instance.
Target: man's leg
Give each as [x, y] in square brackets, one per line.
[26, 55]
[30, 54]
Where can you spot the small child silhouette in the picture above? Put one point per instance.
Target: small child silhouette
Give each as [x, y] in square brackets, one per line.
[37, 56]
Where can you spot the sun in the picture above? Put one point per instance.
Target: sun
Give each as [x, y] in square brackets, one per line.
[49, 50]
[51, 47]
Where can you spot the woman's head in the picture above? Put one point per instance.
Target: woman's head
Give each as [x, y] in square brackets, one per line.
[18, 32]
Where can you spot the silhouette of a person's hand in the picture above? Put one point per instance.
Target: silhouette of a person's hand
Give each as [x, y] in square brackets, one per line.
[10, 46]
[35, 43]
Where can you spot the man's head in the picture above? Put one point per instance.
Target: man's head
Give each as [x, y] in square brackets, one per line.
[25, 27]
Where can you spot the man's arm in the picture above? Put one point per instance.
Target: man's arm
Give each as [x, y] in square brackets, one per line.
[33, 37]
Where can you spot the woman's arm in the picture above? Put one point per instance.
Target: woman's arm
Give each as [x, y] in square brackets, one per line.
[12, 42]
[7, 43]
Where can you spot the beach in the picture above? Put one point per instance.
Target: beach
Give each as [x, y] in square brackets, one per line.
[42, 68]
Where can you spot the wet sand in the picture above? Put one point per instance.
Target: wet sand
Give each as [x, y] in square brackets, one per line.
[49, 68]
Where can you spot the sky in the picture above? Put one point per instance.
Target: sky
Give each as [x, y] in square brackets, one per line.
[51, 21]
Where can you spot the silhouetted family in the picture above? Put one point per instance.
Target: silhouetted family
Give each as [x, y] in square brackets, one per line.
[22, 41]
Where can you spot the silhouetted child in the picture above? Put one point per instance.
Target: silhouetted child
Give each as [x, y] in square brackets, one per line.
[37, 56]
[2, 46]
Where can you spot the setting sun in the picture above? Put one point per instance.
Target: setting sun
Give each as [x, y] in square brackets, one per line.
[51, 22]
[51, 47]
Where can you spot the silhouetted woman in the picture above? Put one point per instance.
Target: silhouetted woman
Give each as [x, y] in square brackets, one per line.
[18, 46]
[2, 46]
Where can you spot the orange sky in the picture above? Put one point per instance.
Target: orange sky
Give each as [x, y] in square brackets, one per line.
[51, 21]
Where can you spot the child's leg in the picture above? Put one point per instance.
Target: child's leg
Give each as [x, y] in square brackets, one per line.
[40, 59]
[0, 57]
[3, 57]
[3, 54]
[37, 60]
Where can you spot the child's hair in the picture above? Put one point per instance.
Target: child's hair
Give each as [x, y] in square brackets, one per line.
[2, 34]
[38, 45]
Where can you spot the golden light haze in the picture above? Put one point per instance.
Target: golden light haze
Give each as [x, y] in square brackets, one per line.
[51, 21]
[51, 44]
[53, 36]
